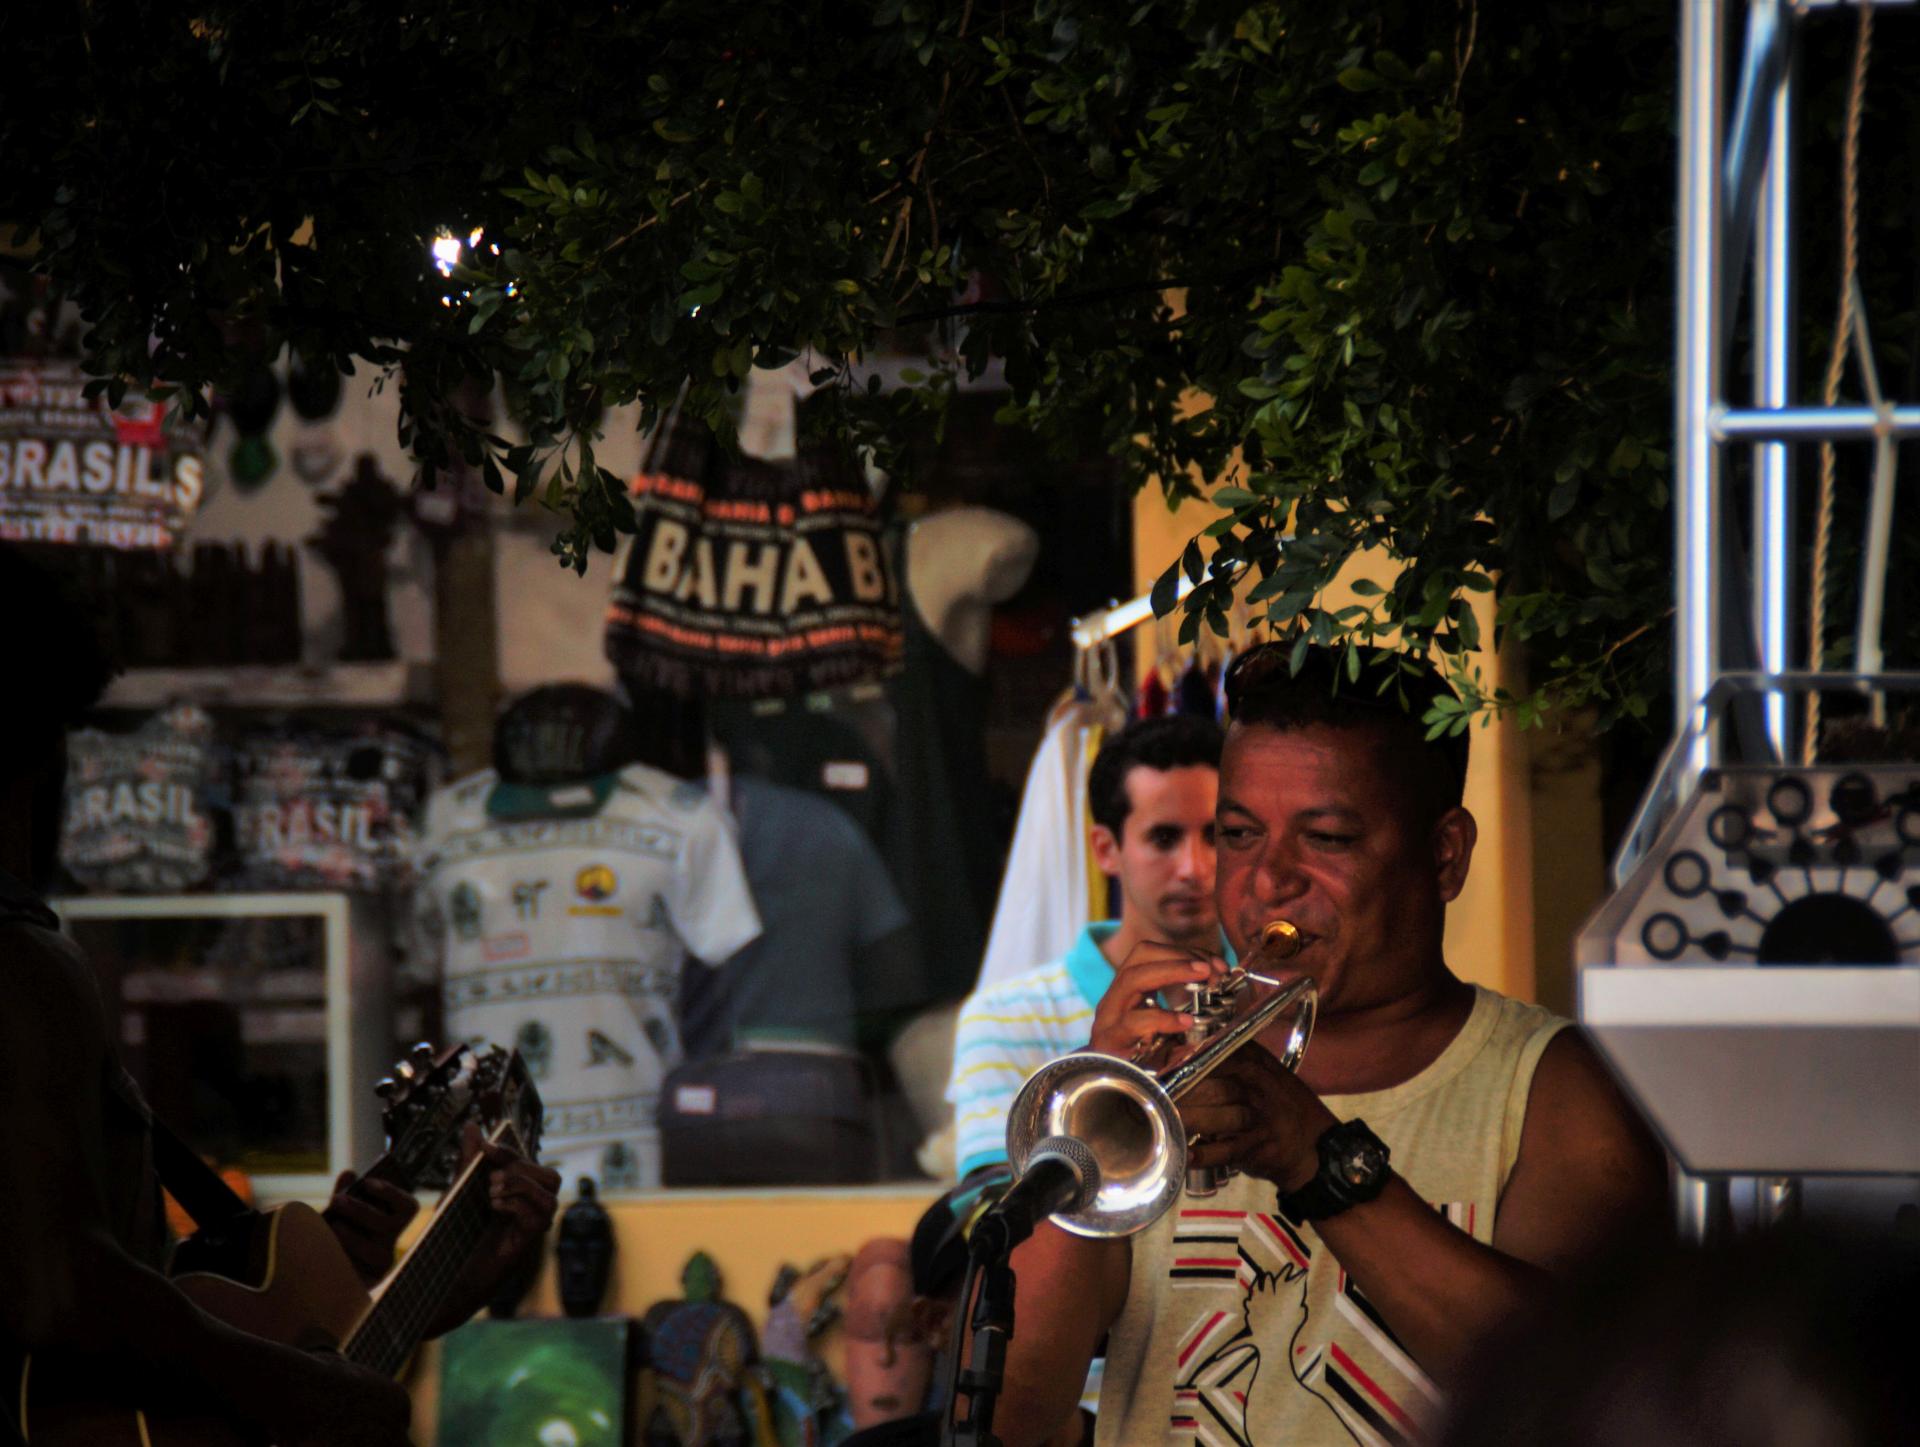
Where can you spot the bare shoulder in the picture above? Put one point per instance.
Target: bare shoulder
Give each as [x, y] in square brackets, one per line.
[1589, 1169]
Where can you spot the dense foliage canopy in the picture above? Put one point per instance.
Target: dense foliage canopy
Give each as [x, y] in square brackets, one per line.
[1399, 271]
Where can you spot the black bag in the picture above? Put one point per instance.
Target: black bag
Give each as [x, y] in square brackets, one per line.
[795, 1117]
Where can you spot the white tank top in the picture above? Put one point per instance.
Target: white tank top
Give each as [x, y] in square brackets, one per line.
[1241, 1328]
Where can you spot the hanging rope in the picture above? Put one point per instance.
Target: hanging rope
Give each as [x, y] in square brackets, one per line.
[1843, 327]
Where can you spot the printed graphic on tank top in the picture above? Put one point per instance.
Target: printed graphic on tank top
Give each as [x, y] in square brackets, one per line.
[1241, 1327]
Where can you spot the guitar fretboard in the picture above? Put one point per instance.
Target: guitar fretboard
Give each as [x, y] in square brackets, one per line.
[395, 1324]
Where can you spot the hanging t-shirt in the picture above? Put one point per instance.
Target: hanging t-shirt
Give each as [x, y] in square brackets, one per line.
[563, 916]
[1052, 888]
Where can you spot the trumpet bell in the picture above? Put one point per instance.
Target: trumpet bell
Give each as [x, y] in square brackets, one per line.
[1124, 1116]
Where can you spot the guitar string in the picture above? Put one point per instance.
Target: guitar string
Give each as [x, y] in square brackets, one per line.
[389, 1331]
[417, 1294]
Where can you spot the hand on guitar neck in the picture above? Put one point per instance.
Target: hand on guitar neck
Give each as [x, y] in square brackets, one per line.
[522, 1198]
[368, 1214]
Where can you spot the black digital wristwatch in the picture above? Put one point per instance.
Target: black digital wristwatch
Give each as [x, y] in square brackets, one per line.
[1353, 1170]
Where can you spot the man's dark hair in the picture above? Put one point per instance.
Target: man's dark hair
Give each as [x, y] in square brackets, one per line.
[1386, 695]
[52, 667]
[1179, 741]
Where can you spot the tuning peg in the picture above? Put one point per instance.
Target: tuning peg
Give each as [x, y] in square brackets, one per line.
[421, 1055]
[386, 1089]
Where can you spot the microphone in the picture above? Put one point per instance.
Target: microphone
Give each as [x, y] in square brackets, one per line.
[1061, 1175]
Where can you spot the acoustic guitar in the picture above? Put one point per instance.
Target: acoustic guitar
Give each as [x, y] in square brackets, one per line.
[296, 1284]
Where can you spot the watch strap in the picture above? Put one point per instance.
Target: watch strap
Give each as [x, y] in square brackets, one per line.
[1314, 1201]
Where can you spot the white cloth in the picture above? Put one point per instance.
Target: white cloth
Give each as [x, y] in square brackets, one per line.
[562, 931]
[1043, 903]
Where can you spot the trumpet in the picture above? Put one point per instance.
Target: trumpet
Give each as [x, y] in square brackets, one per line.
[1128, 1116]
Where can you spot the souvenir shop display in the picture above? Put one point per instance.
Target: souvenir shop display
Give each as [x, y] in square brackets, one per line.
[562, 911]
[806, 1404]
[889, 1364]
[751, 578]
[78, 473]
[584, 1251]
[328, 809]
[140, 805]
[700, 1352]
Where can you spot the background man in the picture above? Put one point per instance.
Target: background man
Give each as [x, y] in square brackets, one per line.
[1151, 792]
[81, 1252]
[1442, 1151]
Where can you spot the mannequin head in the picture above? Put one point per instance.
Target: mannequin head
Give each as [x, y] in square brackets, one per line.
[561, 733]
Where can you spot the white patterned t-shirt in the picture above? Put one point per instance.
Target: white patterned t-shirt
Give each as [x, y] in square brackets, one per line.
[563, 917]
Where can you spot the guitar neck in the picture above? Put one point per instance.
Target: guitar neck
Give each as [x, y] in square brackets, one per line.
[414, 1293]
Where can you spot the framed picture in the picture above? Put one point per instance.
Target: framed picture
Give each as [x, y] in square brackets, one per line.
[536, 1383]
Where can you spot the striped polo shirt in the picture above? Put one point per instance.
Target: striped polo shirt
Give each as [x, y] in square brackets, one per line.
[1009, 1030]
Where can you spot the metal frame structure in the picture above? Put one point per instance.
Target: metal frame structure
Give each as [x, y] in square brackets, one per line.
[1736, 183]
[1731, 189]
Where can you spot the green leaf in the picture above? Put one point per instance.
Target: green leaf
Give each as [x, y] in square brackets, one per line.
[1166, 591]
[1358, 79]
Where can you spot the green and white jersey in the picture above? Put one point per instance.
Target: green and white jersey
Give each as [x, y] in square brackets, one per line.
[562, 917]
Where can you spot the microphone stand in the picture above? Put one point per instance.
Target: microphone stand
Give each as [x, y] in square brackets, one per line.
[984, 1371]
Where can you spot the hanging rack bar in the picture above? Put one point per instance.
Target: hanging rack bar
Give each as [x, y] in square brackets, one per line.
[1095, 628]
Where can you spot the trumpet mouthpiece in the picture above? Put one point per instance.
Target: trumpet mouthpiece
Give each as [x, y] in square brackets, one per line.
[1280, 939]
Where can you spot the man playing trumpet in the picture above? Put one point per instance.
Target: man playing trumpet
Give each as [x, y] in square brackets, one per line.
[1441, 1152]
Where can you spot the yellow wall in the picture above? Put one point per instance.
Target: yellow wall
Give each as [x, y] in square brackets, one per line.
[749, 1234]
[1490, 928]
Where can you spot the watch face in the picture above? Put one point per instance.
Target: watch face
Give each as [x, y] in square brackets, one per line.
[1361, 1162]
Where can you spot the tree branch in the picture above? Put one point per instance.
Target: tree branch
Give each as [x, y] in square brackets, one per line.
[1078, 298]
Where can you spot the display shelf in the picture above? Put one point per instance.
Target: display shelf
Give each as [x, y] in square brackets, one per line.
[339, 685]
[313, 1026]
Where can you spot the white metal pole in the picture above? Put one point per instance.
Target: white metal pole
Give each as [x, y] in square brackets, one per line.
[1773, 372]
[1697, 365]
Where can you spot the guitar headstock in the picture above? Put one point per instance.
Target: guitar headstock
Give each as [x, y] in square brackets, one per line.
[432, 1095]
[508, 1094]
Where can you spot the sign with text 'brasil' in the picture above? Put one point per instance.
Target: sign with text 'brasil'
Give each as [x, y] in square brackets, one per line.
[74, 471]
